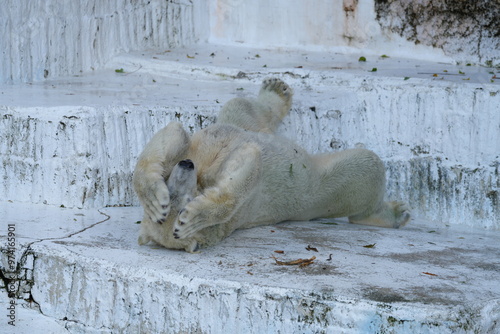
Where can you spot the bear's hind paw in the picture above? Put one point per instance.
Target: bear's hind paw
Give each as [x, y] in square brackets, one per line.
[401, 214]
[277, 86]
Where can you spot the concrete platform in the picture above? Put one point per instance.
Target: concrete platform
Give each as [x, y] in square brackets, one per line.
[83, 271]
[71, 143]
[68, 145]
[439, 136]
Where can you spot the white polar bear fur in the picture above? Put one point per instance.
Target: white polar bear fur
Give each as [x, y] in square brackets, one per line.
[237, 174]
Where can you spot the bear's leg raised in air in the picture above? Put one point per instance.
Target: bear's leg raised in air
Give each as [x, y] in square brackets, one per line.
[262, 114]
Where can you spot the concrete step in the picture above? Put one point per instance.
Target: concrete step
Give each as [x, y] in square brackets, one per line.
[74, 141]
[82, 270]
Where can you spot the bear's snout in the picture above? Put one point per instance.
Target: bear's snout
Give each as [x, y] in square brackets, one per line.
[187, 164]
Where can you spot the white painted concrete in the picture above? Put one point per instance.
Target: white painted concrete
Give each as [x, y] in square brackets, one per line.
[347, 26]
[90, 276]
[76, 140]
[72, 141]
[53, 38]
[30, 320]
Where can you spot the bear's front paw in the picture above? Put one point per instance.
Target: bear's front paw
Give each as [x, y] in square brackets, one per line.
[190, 220]
[156, 202]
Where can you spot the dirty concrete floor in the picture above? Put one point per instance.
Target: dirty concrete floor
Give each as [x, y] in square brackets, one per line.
[425, 265]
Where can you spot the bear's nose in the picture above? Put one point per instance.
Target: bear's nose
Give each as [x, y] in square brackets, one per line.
[188, 164]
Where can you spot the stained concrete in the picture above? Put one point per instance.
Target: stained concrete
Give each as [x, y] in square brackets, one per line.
[75, 141]
[71, 143]
[87, 273]
[468, 30]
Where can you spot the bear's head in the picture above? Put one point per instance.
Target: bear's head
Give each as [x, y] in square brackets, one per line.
[182, 187]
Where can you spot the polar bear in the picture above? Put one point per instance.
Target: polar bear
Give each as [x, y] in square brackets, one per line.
[196, 190]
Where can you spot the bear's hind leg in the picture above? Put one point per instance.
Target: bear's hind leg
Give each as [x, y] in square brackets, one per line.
[390, 214]
[167, 147]
[276, 98]
[262, 114]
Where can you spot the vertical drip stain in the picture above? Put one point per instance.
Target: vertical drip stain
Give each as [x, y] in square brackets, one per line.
[45, 41]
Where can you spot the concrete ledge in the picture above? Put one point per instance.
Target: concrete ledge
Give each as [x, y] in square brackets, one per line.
[86, 272]
[76, 140]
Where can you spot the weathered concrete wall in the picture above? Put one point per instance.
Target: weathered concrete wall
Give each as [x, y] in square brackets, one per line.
[440, 142]
[463, 31]
[468, 31]
[100, 294]
[342, 25]
[78, 156]
[43, 39]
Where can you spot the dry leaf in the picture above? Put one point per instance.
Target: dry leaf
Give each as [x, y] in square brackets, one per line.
[369, 246]
[298, 262]
[305, 264]
[279, 251]
[309, 248]
[430, 274]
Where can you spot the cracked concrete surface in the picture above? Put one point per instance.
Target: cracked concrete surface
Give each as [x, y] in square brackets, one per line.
[435, 124]
[17, 281]
[78, 271]
[89, 275]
